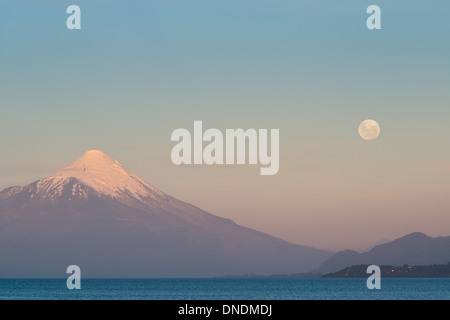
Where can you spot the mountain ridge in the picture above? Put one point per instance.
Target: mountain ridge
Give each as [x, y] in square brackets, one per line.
[415, 248]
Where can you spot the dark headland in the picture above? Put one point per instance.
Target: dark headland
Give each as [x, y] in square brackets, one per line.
[405, 271]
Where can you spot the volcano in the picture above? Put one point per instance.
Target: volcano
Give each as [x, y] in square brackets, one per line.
[96, 214]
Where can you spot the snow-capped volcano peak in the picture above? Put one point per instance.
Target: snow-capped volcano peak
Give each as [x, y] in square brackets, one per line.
[103, 174]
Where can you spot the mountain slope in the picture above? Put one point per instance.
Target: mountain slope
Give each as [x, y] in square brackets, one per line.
[98, 215]
[412, 249]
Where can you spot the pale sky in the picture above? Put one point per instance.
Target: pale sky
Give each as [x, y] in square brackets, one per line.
[137, 71]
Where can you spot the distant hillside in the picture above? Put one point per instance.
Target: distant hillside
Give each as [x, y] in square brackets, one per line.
[412, 249]
[432, 271]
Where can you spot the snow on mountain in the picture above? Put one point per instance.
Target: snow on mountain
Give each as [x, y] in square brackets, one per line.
[103, 174]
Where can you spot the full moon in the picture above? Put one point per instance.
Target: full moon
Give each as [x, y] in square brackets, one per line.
[369, 129]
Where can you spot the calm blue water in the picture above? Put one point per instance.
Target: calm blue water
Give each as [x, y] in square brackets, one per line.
[226, 289]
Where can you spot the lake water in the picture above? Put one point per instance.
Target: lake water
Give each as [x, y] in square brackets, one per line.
[225, 289]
